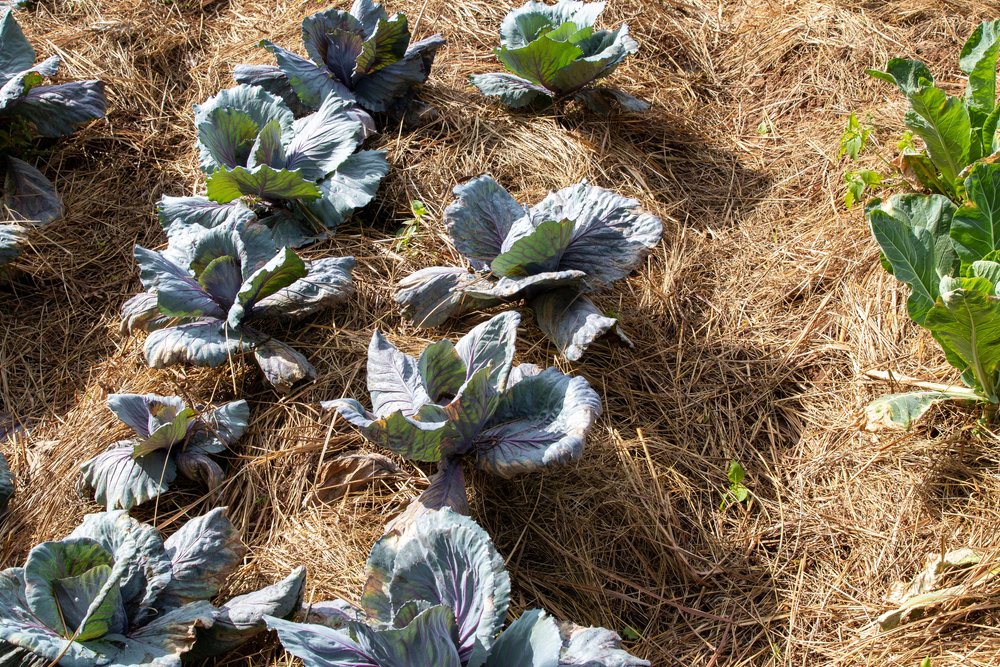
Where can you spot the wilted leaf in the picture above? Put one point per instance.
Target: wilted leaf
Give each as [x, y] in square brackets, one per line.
[351, 473]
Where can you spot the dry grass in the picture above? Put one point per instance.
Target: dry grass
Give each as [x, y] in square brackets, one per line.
[754, 323]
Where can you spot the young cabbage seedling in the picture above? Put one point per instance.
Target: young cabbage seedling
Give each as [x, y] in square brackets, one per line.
[212, 287]
[170, 437]
[27, 107]
[576, 241]
[468, 402]
[362, 56]
[554, 54]
[438, 594]
[302, 177]
[114, 592]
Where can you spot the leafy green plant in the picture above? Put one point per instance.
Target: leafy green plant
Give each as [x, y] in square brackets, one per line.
[950, 258]
[554, 54]
[210, 290]
[737, 491]
[437, 594]
[302, 177]
[956, 131]
[114, 592]
[362, 56]
[855, 137]
[576, 241]
[171, 438]
[412, 226]
[858, 181]
[27, 108]
[469, 402]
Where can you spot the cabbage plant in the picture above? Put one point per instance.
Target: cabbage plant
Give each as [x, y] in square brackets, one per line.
[469, 402]
[438, 594]
[303, 177]
[6, 483]
[363, 55]
[949, 256]
[553, 54]
[956, 130]
[27, 107]
[114, 592]
[170, 438]
[208, 293]
[575, 241]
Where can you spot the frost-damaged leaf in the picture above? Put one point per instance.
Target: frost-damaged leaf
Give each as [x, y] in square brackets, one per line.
[541, 420]
[203, 552]
[363, 55]
[901, 411]
[572, 321]
[430, 296]
[349, 473]
[282, 366]
[242, 617]
[955, 579]
[446, 489]
[163, 641]
[6, 483]
[28, 194]
[913, 232]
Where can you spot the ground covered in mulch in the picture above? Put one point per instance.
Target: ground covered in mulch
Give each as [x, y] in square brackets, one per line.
[754, 324]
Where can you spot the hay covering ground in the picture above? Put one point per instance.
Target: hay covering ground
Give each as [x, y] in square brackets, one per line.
[754, 323]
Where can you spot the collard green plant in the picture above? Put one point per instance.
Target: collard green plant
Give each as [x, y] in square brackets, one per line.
[114, 592]
[949, 257]
[210, 290]
[956, 131]
[554, 54]
[170, 438]
[576, 241]
[363, 56]
[27, 108]
[438, 594]
[469, 402]
[302, 177]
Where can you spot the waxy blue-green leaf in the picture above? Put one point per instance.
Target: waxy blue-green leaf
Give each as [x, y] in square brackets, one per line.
[283, 270]
[323, 140]
[539, 251]
[490, 344]
[540, 61]
[572, 321]
[319, 645]
[57, 111]
[514, 91]
[120, 480]
[523, 25]
[367, 58]
[28, 194]
[975, 228]
[203, 552]
[913, 232]
[907, 75]
[530, 641]
[411, 438]
[228, 124]
[441, 369]
[242, 617]
[430, 296]
[541, 421]
[327, 283]
[394, 380]
[594, 646]
[262, 181]
[480, 219]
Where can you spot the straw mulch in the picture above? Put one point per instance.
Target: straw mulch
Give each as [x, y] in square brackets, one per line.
[754, 323]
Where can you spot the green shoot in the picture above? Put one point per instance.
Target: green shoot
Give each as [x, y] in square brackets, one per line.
[737, 492]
